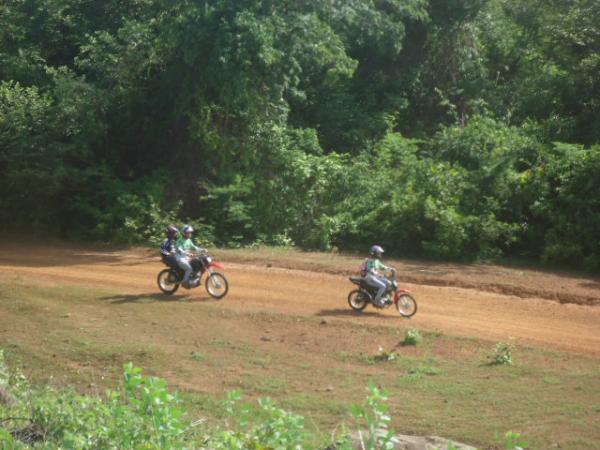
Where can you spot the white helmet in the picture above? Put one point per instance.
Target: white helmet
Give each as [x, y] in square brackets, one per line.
[376, 251]
[187, 229]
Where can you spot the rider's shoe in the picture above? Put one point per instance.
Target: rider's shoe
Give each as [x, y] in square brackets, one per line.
[186, 284]
[383, 302]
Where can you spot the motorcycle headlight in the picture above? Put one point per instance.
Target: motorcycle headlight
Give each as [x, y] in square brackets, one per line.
[208, 259]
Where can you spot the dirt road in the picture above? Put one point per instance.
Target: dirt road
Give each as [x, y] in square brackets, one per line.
[466, 312]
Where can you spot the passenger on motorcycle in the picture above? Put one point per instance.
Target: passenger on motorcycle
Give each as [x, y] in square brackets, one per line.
[183, 247]
[373, 275]
[167, 248]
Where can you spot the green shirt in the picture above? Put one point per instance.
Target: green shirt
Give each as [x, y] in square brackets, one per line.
[375, 264]
[184, 245]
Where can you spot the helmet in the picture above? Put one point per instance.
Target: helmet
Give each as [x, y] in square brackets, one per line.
[376, 251]
[187, 229]
[172, 231]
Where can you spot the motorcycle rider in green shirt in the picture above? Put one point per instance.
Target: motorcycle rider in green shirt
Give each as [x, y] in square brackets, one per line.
[374, 277]
[183, 247]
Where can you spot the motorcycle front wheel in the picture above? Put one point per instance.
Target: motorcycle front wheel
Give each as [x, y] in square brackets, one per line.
[406, 305]
[217, 285]
[168, 282]
[358, 300]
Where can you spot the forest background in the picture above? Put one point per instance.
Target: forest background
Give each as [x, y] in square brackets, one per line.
[455, 129]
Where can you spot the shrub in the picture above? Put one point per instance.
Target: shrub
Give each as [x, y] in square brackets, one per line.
[503, 353]
[412, 337]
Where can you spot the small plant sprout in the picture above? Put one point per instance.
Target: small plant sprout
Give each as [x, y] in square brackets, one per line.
[412, 337]
[502, 354]
[385, 355]
[375, 416]
[513, 441]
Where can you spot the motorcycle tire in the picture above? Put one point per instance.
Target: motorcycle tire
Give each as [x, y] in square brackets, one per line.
[217, 285]
[167, 281]
[406, 305]
[358, 300]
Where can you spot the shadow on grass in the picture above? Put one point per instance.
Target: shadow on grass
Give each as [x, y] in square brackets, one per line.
[153, 297]
[351, 313]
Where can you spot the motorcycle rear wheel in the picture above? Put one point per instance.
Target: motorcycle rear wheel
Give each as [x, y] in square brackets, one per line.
[168, 282]
[406, 305]
[358, 300]
[217, 285]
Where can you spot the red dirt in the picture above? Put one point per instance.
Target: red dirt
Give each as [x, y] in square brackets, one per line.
[455, 301]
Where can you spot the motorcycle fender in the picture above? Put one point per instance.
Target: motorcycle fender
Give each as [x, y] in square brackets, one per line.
[399, 292]
[218, 265]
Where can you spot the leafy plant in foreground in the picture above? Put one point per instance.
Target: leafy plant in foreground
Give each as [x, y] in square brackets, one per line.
[503, 353]
[412, 337]
[378, 434]
[513, 441]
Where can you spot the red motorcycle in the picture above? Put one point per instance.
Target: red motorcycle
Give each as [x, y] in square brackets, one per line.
[358, 299]
[216, 284]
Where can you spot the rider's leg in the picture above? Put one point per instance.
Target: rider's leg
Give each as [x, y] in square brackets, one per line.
[171, 261]
[388, 285]
[379, 284]
[185, 265]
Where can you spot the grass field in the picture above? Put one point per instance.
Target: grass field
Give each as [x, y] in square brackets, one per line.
[69, 335]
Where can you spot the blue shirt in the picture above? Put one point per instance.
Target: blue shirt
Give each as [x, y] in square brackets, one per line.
[167, 247]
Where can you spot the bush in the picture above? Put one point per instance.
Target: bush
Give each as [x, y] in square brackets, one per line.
[129, 212]
[412, 337]
[503, 353]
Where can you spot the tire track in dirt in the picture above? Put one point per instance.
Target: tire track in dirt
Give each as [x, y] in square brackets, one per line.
[451, 310]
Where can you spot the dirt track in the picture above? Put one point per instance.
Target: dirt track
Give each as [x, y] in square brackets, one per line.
[467, 312]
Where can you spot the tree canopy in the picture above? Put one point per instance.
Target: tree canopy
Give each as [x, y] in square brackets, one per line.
[452, 129]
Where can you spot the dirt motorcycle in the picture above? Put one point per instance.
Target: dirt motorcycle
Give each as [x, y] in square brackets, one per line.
[216, 284]
[358, 299]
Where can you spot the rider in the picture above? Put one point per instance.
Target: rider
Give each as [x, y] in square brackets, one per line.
[167, 248]
[183, 246]
[374, 276]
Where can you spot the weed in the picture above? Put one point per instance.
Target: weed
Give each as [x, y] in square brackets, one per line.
[197, 356]
[375, 416]
[412, 337]
[385, 355]
[512, 441]
[419, 372]
[220, 343]
[503, 353]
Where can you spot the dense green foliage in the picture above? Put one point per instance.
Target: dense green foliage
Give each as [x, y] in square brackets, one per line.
[453, 129]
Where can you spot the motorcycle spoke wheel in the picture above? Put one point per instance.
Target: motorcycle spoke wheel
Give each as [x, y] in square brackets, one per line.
[167, 281]
[357, 300]
[216, 285]
[406, 305]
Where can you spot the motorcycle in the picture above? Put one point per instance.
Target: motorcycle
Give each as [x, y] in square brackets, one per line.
[170, 279]
[358, 299]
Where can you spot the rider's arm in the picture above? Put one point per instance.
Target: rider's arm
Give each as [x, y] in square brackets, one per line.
[378, 265]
